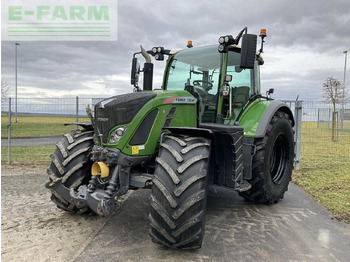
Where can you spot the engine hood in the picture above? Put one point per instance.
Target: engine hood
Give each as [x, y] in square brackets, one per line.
[122, 109]
[118, 110]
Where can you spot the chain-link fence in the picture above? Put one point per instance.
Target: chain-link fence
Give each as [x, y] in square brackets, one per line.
[45, 118]
[325, 141]
[30, 129]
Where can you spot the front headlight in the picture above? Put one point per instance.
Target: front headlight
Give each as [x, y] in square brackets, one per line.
[117, 135]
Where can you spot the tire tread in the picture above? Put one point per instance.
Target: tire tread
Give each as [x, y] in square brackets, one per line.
[70, 162]
[178, 206]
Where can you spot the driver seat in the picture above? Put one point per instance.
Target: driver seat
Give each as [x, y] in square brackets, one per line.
[240, 96]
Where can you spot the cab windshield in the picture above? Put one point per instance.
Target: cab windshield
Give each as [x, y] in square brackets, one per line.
[201, 67]
[197, 70]
[195, 67]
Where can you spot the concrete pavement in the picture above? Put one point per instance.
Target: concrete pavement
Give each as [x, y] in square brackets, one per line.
[33, 229]
[296, 229]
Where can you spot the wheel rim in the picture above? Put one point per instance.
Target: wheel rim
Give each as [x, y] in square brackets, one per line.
[278, 161]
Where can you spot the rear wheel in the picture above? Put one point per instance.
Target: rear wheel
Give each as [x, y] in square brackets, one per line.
[178, 199]
[272, 162]
[71, 163]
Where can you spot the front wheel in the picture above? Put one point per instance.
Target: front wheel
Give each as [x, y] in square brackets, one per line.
[71, 163]
[178, 199]
[272, 162]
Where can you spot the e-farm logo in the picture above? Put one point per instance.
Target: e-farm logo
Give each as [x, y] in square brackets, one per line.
[64, 20]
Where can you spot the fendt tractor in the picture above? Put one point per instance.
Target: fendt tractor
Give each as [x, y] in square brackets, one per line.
[208, 124]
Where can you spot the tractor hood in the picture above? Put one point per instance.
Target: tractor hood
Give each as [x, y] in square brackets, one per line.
[118, 110]
[131, 109]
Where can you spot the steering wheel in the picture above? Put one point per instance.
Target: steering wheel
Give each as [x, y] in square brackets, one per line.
[200, 83]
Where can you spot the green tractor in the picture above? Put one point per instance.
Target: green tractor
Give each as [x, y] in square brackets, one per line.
[208, 124]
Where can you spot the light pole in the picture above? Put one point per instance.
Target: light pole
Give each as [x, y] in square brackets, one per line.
[16, 44]
[346, 56]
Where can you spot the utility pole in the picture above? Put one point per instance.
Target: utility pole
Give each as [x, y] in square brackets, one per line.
[16, 44]
[342, 119]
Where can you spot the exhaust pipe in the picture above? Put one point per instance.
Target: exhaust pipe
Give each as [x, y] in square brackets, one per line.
[147, 70]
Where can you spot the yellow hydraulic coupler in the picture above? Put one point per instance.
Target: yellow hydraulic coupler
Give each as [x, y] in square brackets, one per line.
[100, 169]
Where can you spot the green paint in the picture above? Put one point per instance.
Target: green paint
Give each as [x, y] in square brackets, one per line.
[250, 118]
[185, 116]
[222, 81]
[166, 71]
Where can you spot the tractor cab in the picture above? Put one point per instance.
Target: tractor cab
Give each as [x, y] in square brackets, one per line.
[223, 79]
[198, 71]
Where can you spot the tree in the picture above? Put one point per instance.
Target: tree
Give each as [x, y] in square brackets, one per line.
[333, 91]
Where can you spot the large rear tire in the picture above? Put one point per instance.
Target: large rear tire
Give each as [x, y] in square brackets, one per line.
[272, 162]
[178, 199]
[71, 162]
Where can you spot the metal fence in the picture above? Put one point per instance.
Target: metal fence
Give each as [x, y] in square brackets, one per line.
[34, 118]
[318, 148]
[46, 116]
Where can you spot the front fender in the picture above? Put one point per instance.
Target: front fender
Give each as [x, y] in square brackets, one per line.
[85, 125]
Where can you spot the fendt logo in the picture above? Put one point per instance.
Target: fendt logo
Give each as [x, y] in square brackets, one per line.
[65, 20]
[180, 100]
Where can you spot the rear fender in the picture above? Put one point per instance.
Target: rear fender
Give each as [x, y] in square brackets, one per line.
[258, 115]
[255, 121]
[269, 113]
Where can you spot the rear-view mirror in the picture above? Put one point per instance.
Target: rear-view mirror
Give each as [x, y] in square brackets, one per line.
[135, 71]
[248, 51]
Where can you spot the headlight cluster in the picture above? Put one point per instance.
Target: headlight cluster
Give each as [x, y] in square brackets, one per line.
[117, 135]
[228, 39]
[224, 41]
[158, 53]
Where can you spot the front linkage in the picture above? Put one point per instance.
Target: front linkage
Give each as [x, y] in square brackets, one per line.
[96, 195]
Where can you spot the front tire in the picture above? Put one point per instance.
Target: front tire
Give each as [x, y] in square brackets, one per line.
[272, 162]
[179, 191]
[71, 163]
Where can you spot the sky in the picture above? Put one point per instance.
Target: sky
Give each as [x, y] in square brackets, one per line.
[304, 46]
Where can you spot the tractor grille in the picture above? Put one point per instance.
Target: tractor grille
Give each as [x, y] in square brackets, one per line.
[118, 110]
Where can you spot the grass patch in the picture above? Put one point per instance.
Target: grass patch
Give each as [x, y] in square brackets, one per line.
[331, 188]
[28, 126]
[325, 173]
[28, 154]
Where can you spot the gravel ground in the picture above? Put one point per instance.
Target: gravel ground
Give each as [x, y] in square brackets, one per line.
[32, 228]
